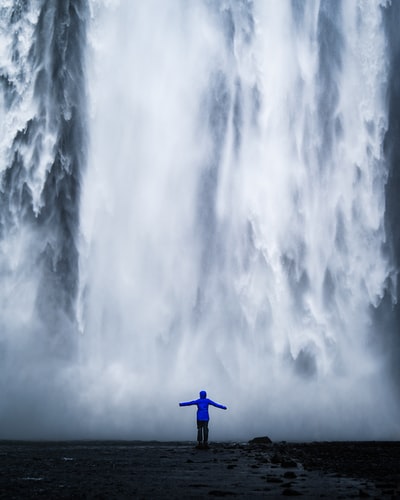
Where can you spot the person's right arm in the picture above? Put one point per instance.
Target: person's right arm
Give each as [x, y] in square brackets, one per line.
[222, 407]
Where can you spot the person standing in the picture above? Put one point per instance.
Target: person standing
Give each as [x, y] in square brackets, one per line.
[203, 416]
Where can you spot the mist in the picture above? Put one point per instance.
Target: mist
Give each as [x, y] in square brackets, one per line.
[201, 203]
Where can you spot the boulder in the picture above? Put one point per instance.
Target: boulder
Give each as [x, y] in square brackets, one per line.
[260, 440]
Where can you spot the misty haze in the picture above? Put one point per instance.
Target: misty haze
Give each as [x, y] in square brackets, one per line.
[199, 195]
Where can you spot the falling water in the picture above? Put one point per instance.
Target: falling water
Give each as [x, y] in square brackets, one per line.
[196, 195]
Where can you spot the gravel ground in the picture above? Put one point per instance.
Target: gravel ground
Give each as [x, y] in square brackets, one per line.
[107, 470]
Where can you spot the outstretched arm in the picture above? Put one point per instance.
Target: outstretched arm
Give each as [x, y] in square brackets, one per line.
[188, 403]
[222, 407]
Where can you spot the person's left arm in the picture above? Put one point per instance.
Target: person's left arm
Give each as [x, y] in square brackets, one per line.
[188, 403]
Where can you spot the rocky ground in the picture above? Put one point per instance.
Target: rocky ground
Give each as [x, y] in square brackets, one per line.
[106, 470]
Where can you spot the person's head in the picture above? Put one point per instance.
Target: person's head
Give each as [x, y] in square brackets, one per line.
[203, 394]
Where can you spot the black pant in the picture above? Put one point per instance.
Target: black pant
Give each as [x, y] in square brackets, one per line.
[202, 431]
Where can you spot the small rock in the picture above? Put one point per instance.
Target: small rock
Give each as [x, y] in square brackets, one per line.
[290, 492]
[273, 479]
[288, 463]
[276, 458]
[260, 440]
[220, 493]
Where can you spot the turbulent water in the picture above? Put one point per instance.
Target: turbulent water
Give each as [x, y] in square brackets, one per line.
[199, 195]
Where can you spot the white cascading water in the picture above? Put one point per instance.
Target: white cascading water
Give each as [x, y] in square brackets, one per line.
[231, 224]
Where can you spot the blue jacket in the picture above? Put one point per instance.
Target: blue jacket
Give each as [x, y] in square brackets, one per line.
[202, 406]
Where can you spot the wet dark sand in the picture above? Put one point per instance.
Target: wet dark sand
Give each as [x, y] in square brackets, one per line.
[105, 470]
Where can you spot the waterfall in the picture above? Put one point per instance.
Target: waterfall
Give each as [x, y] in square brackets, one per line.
[196, 195]
[42, 154]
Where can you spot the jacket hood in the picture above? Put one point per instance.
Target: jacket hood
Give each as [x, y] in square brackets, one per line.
[203, 394]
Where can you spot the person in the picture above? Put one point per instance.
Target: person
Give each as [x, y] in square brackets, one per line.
[203, 416]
